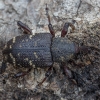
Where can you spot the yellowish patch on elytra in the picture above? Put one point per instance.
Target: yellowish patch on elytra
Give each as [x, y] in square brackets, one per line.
[14, 60]
[62, 40]
[30, 62]
[30, 36]
[26, 39]
[10, 46]
[11, 55]
[20, 46]
[5, 57]
[71, 55]
[22, 40]
[36, 42]
[33, 66]
[62, 58]
[19, 65]
[5, 46]
[18, 54]
[26, 59]
[14, 39]
[69, 48]
[35, 55]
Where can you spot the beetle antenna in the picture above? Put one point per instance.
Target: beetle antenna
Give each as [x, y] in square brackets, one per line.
[49, 25]
[47, 14]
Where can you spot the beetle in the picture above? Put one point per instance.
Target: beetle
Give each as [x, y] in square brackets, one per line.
[40, 50]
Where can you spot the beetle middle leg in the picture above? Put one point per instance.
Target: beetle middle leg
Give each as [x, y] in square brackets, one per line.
[47, 74]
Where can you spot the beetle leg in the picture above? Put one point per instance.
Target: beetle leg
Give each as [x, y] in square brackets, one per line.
[20, 74]
[24, 27]
[3, 67]
[49, 25]
[65, 29]
[66, 70]
[51, 30]
[47, 74]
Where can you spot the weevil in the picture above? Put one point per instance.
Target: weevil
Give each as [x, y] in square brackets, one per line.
[40, 50]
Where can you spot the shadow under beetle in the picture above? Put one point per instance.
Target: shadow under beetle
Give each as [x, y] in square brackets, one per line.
[40, 50]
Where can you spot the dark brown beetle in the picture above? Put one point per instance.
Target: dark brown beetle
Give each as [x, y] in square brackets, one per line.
[40, 50]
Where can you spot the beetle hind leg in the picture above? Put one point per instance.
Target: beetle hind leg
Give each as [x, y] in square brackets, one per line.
[47, 74]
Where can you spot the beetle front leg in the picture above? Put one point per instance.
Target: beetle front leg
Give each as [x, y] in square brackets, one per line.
[65, 29]
[49, 25]
[24, 27]
[47, 74]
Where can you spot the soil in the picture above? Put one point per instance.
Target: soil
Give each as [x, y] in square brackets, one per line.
[84, 85]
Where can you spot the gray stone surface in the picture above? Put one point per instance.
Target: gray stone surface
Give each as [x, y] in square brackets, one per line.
[86, 14]
[32, 12]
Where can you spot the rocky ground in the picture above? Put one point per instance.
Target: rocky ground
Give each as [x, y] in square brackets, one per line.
[85, 84]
